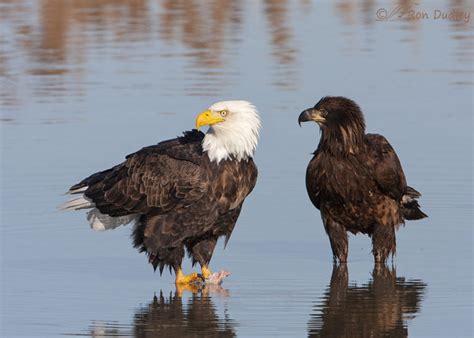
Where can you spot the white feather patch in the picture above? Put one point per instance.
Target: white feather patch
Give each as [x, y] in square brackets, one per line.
[77, 204]
[97, 220]
[237, 136]
[101, 222]
[78, 190]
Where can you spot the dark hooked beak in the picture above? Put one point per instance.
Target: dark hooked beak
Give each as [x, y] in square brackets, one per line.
[310, 114]
[305, 116]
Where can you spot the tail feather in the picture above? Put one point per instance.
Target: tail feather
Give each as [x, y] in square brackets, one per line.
[410, 206]
[78, 190]
[413, 213]
[413, 193]
[77, 204]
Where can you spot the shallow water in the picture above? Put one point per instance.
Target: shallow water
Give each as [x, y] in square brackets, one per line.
[83, 83]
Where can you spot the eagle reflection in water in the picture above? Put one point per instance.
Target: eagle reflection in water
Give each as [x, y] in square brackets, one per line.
[379, 308]
[174, 316]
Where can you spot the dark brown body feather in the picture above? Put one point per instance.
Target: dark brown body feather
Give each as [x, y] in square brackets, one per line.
[357, 182]
[183, 199]
[360, 190]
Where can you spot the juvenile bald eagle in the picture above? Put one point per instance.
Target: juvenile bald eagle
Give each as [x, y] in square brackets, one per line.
[181, 193]
[356, 180]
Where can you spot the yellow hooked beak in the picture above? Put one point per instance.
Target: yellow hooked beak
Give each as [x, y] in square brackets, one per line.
[207, 117]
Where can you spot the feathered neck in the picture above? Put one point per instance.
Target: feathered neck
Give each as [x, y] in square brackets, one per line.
[236, 137]
[342, 140]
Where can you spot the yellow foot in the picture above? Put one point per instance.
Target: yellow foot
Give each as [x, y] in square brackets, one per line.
[205, 272]
[186, 279]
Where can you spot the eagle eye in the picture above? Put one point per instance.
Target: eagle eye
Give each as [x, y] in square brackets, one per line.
[323, 112]
[223, 113]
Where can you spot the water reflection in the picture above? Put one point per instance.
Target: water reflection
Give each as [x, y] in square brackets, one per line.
[462, 32]
[379, 308]
[64, 24]
[201, 26]
[50, 47]
[174, 316]
[283, 51]
[211, 37]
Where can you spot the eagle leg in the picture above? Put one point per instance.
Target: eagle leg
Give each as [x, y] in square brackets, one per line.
[339, 242]
[383, 242]
[201, 253]
[205, 271]
[182, 279]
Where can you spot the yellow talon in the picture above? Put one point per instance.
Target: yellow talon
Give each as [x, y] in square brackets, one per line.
[181, 278]
[205, 272]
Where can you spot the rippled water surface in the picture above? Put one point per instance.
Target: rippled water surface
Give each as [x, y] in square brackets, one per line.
[83, 83]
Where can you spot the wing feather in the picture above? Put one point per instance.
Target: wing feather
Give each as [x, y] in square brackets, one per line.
[386, 165]
[160, 177]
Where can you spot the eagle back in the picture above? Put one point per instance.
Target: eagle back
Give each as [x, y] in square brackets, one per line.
[159, 178]
[186, 148]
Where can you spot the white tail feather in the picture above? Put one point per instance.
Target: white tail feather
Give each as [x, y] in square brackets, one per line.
[407, 199]
[97, 220]
[77, 191]
[77, 204]
[101, 222]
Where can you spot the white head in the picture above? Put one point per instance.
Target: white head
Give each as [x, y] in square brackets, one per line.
[233, 132]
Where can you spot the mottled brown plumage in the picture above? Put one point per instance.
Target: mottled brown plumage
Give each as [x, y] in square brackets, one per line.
[356, 180]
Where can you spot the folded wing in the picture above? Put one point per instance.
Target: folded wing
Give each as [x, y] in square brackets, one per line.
[160, 177]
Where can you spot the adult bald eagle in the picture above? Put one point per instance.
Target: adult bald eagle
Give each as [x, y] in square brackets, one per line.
[181, 193]
[356, 180]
